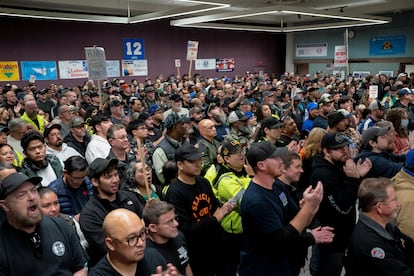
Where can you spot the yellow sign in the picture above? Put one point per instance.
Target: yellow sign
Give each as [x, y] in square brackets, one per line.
[9, 71]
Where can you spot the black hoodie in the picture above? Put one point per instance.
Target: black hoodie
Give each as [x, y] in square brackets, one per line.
[337, 208]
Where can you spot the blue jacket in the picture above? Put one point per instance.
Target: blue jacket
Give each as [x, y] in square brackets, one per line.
[72, 201]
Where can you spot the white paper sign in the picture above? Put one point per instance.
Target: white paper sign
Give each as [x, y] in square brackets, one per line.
[192, 50]
[96, 63]
[177, 63]
[373, 91]
[340, 56]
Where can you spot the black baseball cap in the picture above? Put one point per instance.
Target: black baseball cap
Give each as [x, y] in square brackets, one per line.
[13, 181]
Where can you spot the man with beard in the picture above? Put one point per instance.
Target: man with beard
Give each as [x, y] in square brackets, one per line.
[238, 128]
[340, 177]
[32, 117]
[378, 143]
[55, 145]
[217, 115]
[29, 243]
[268, 231]
[377, 246]
[377, 112]
[325, 107]
[37, 162]
[165, 150]
[155, 125]
[78, 138]
[107, 197]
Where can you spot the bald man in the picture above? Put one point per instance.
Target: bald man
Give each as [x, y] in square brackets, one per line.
[208, 131]
[125, 239]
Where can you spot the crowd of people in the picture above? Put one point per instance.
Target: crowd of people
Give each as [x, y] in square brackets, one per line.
[209, 176]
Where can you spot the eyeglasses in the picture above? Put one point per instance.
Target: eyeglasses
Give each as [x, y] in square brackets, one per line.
[133, 241]
[36, 244]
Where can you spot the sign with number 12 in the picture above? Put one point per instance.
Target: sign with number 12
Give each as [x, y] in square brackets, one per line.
[133, 48]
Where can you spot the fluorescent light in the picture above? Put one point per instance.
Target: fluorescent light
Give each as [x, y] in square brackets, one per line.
[206, 21]
[270, 29]
[61, 16]
[174, 13]
[203, 6]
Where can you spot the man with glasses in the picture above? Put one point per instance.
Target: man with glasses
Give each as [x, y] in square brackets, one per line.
[107, 197]
[74, 189]
[120, 149]
[340, 177]
[125, 240]
[164, 236]
[32, 244]
[377, 247]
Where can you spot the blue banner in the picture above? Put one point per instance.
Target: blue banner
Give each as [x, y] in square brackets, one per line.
[133, 48]
[387, 45]
[41, 70]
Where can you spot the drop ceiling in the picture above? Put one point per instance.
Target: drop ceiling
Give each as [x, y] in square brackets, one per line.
[248, 15]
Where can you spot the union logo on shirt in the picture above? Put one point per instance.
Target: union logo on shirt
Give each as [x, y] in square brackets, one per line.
[378, 253]
[201, 206]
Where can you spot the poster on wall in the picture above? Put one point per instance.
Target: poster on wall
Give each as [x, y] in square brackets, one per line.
[133, 48]
[40, 70]
[225, 64]
[134, 68]
[340, 59]
[360, 74]
[73, 69]
[112, 68]
[9, 71]
[389, 74]
[312, 50]
[387, 45]
[205, 64]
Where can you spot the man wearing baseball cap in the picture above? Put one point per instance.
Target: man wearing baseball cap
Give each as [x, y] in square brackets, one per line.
[32, 244]
[268, 232]
[340, 176]
[239, 130]
[199, 212]
[107, 197]
[174, 123]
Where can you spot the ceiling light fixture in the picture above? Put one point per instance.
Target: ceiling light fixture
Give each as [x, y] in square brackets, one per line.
[201, 6]
[206, 21]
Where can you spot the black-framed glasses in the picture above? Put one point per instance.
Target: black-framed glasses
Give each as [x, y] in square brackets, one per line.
[133, 241]
[36, 244]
